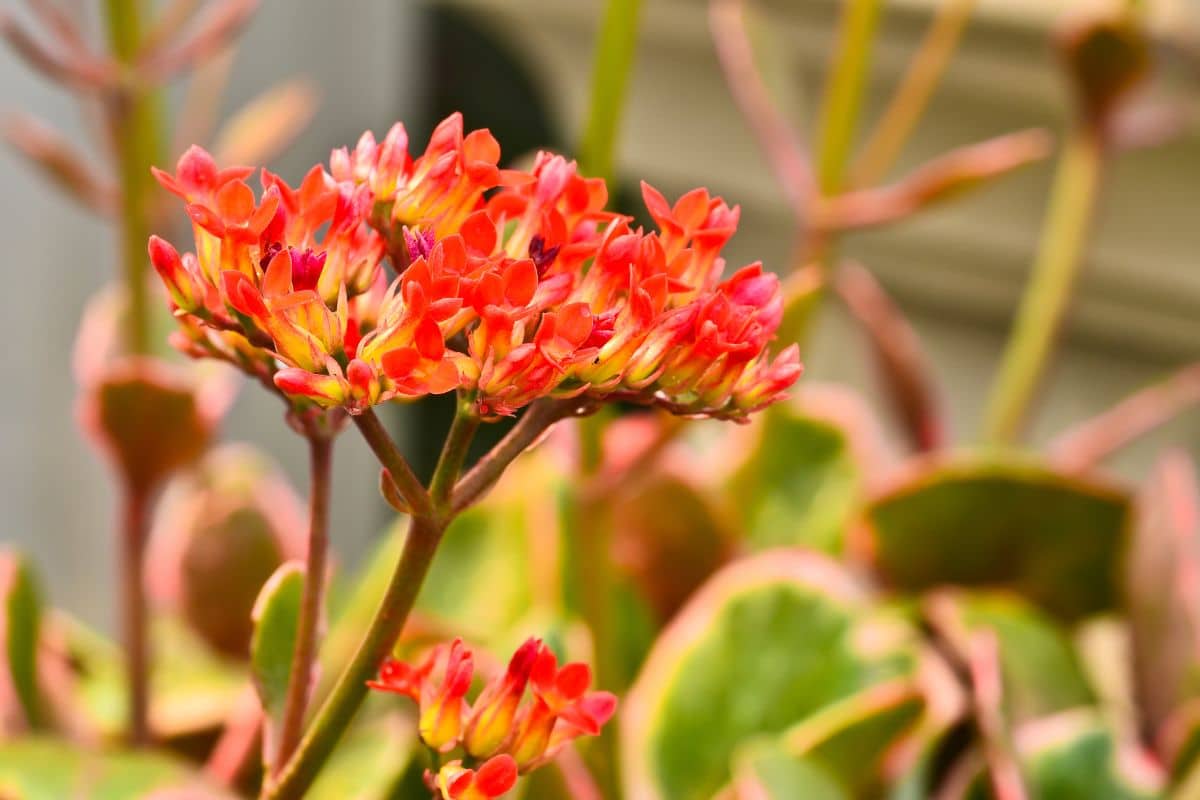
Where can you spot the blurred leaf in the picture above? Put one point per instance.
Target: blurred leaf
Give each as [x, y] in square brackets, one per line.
[1164, 590]
[1055, 539]
[49, 769]
[1042, 673]
[276, 621]
[766, 643]
[480, 577]
[1072, 756]
[350, 617]
[767, 771]
[22, 627]
[192, 690]
[798, 484]
[264, 127]
[849, 738]
[668, 538]
[368, 762]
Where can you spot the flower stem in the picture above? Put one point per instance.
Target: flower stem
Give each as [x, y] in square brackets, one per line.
[320, 452]
[454, 453]
[132, 111]
[610, 80]
[1048, 294]
[134, 617]
[844, 92]
[384, 448]
[911, 97]
[339, 709]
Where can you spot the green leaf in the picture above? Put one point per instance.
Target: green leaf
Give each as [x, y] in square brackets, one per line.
[276, 621]
[850, 737]
[768, 770]
[22, 629]
[1055, 539]
[767, 643]
[40, 768]
[1042, 673]
[1073, 756]
[799, 483]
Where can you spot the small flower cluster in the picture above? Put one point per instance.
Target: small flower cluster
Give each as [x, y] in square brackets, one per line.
[510, 285]
[501, 731]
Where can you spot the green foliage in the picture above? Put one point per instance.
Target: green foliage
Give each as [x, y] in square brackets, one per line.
[799, 484]
[39, 768]
[1074, 756]
[22, 631]
[277, 619]
[768, 642]
[1055, 539]
[1042, 673]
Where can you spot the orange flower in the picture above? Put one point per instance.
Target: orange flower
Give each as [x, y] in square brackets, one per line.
[501, 721]
[534, 291]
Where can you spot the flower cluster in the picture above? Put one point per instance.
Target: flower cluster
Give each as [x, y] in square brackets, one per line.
[509, 285]
[507, 730]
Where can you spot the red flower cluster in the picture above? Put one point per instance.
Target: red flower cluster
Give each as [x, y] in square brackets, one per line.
[510, 285]
[502, 725]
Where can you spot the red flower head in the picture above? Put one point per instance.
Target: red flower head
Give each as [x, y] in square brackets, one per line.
[503, 724]
[548, 294]
[439, 684]
[562, 710]
[494, 778]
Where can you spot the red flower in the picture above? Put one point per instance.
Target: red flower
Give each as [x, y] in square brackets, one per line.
[494, 778]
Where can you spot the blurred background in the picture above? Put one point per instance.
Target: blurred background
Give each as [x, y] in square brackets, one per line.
[517, 66]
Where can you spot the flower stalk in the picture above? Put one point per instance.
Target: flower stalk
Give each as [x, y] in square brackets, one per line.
[320, 454]
[134, 616]
[1048, 293]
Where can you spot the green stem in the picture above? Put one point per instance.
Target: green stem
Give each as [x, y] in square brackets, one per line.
[1048, 294]
[844, 92]
[611, 69]
[454, 453]
[339, 709]
[320, 451]
[133, 115]
[134, 617]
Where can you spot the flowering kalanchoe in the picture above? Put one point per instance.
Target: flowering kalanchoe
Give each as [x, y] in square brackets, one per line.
[494, 778]
[511, 286]
[524, 715]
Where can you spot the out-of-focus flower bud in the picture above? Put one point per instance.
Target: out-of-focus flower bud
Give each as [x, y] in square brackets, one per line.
[1107, 58]
[218, 537]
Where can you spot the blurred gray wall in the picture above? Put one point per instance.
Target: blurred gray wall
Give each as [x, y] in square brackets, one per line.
[56, 503]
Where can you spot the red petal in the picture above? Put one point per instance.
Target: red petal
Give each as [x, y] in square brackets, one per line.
[497, 775]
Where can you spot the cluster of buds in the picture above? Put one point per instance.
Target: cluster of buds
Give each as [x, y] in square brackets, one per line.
[509, 285]
[520, 720]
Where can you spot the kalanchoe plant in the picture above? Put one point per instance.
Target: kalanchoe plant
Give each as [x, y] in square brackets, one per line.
[512, 288]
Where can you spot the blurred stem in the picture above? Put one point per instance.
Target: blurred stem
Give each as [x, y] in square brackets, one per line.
[133, 114]
[420, 545]
[611, 69]
[908, 103]
[454, 452]
[134, 616]
[320, 458]
[844, 91]
[1048, 293]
